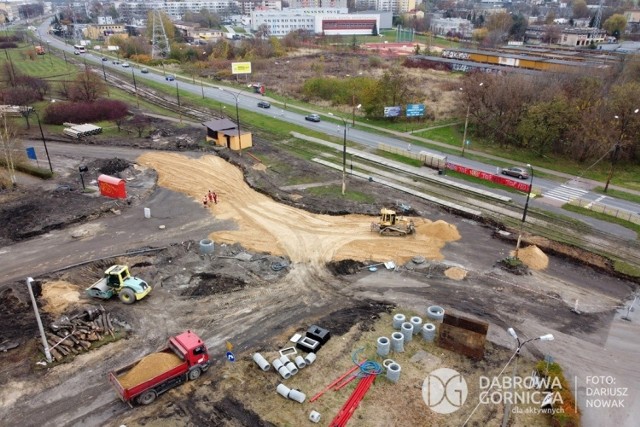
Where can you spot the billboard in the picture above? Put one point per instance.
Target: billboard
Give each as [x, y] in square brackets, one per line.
[241, 68]
[415, 110]
[392, 111]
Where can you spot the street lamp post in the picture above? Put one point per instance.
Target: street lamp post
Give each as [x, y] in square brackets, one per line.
[516, 355]
[135, 86]
[44, 141]
[344, 154]
[355, 107]
[178, 96]
[236, 96]
[524, 213]
[283, 94]
[466, 124]
[616, 149]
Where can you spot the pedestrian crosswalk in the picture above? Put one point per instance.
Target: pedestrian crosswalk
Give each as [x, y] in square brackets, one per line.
[565, 193]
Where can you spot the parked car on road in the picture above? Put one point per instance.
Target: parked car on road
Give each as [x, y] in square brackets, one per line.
[312, 118]
[517, 172]
[264, 104]
[170, 78]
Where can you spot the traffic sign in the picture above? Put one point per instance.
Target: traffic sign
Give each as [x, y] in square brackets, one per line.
[230, 357]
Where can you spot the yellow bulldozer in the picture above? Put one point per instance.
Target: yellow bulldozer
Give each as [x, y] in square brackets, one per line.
[391, 224]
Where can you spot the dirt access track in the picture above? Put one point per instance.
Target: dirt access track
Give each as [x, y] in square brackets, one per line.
[234, 296]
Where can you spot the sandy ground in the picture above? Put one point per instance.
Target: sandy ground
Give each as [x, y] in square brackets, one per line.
[267, 226]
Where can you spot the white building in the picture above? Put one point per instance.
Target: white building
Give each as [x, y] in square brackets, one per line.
[443, 26]
[317, 4]
[315, 20]
[176, 9]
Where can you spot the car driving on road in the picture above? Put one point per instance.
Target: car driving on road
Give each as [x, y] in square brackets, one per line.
[125, 65]
[312, 117]
[170, 78]
[264, 104]
[144, 71]
[517, 172]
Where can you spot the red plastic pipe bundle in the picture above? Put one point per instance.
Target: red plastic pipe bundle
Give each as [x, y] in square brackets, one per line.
[352, 403]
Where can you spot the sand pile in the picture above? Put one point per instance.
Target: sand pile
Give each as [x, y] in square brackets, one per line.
[149, 367]
[263, 225]
[455, 273]
[533, 257]
[58, 295]
[439, 230]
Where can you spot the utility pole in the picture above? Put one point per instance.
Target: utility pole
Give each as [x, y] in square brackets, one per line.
[45, 344]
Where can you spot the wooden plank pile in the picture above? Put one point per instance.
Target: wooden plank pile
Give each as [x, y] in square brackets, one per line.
[74, 335]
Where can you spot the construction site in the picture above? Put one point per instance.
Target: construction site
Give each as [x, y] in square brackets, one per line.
[301, 308]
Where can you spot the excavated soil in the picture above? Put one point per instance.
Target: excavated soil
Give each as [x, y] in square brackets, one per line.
[149, 367]
[533, 257]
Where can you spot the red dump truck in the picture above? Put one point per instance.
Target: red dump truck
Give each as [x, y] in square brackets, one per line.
[184, 359]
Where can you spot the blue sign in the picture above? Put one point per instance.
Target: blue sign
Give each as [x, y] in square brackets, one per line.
[230, 357]
[415, 110]
[394, 111]
[31, 153]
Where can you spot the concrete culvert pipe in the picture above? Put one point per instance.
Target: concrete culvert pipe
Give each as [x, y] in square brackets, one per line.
[310, 358]
[206, 246]
[416, 322]
[397, 342]
[407, 331]
[435, 312]
[282, 370]
[387, 362]
[398, 320]
[283, 390]
[261, 361]
[300, 363]
[383, 346]
[297, 395]
[314, 417]
[393, 372]
[429, 332]
[292, 368]
[285, 359]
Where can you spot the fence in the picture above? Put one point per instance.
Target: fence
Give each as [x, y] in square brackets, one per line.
[606, 210]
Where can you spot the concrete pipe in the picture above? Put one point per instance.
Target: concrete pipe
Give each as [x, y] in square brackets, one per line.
[285, 359]
[388, 362]
[261, 361]
[297, 395]
[282, 370]
[429, 332]
[310, 358]
[300, 363]
[283, 390]
[407, 331]
[393, 372]
[398, 320]
[416, 322]
[314, 417]
[292, 368]
[435, 312]
[206, 246]
[397, 342]
[383, 346]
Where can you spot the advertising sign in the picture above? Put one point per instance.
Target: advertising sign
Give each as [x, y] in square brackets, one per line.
[415, 110]
[392, 111]
[241, 68]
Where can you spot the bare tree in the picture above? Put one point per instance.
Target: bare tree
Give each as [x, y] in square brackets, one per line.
[140, 123]
[87, 87]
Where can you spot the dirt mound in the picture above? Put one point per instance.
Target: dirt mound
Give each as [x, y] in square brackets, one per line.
[16, 315]
[533, 257]
[58, 296]
[455, 273]
[109, 166]
[366, 313]
[211, 283]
